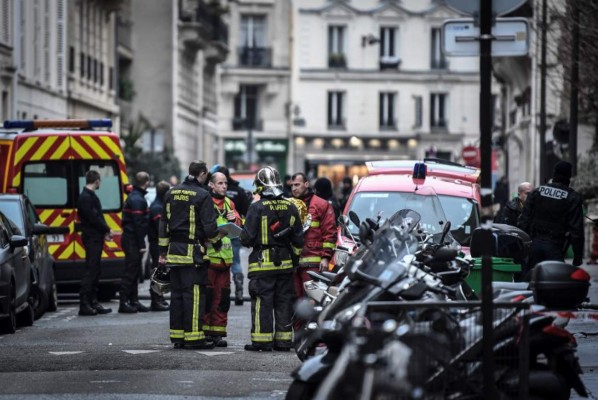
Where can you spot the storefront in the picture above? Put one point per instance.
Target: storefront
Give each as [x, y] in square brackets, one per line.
[242, 157]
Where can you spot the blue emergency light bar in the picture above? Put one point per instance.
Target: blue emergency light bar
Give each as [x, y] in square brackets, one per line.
[64, 123]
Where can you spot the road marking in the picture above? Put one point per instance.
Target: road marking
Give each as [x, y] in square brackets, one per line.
[215, 353]
[108, 381]
[64, 353]
[184, 381]
[140, 351]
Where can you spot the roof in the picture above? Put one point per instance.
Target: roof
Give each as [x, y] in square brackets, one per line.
[399, 182]
[11, 196]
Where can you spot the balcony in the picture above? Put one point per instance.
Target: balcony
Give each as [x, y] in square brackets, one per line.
[204, 29]
[255, 56]
[337, 60]
[390, 125]
[389, 63]
[439, 126]
[244, 124]
[339, 124]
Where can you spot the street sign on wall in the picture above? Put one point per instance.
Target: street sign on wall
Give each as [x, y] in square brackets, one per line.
[460, 37]
[472, 7]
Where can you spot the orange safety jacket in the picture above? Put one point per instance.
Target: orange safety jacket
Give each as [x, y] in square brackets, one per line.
[320, 238]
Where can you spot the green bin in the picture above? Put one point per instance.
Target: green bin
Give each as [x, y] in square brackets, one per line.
[502, 271]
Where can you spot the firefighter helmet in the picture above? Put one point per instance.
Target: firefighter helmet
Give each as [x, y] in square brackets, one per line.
[161, 280]
[267, 181]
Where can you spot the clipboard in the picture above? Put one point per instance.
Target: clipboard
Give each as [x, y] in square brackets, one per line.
[231, 230]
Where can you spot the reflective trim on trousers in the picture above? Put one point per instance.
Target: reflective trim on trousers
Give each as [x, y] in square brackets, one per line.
[261, 337]
[177, 334]
[283, 336]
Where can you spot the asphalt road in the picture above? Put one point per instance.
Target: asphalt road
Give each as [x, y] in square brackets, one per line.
[120, 356]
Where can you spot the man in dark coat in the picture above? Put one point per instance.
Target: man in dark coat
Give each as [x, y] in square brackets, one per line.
[510, 212]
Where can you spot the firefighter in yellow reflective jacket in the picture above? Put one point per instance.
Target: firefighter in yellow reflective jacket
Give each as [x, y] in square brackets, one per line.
[218, 297]
[187, 225]
[273, 229]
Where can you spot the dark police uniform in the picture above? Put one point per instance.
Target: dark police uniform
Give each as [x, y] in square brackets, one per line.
[93, 230]
[188, 221]
[273, 229]
[553, 216]
[135, 226]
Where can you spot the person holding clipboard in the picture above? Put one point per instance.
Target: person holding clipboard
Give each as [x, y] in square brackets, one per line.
[221, 259]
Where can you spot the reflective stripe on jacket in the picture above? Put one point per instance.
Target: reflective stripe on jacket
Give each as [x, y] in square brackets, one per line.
[320, 238]
[222, 258]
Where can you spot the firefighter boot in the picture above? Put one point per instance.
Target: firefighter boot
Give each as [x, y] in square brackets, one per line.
[238, 279]
[85, 307]
[125, 306]
[158, 303]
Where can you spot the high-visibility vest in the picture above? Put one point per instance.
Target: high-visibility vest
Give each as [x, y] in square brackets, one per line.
[224, 257]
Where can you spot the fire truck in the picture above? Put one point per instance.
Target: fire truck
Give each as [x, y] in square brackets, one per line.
[47, 161]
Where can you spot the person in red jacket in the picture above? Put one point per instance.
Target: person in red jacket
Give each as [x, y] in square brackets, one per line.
[320, 238]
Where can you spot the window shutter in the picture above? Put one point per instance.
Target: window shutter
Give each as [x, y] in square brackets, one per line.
[61, 45]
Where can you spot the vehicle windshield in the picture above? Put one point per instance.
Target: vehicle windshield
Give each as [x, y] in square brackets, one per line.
[460, 211]
[12, 210]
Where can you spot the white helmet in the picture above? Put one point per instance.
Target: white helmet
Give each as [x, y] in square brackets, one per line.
[267, 181]
[161, 280]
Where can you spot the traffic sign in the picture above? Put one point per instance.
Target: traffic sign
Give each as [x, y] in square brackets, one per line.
[461, 37]
[470, 154]
[472, 7]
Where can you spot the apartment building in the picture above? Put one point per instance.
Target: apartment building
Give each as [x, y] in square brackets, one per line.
[254, 103]
[177, 47]
[8, 75]
[369, 81]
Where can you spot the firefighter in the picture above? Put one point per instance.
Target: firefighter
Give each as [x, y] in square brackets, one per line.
[218, 295]
[240, 197]
[187, 224]
[273, 230]
[553, 217]
[158, 302]
[320, 238]
[135, 226]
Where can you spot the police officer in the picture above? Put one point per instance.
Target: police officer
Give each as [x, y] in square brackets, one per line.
[273, 229]
[135, 225]
[187, 223]
[553, 217]
[158, 302]
[510, 211]
[240, 197]
[94, 230]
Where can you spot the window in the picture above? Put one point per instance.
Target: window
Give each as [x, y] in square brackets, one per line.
[336, 46]
[438, 58]
[246, 108]
[12, 210]
[82, 64]
[388, 105]
[336, 115]
[71, 59]
[389, 47]
[57, 184]
[438, 110]
[253, 50]
[419, 113]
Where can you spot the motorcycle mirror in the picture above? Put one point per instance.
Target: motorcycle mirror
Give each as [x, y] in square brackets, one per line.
[354, 218]
[445, 230]
[304, 309]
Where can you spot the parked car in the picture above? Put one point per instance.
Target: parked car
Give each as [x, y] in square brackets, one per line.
[16, 278]
[21, 211]
[389, 182]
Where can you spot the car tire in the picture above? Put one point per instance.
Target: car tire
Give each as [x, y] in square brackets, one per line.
[9, 324]
[38, 301]
[53, 298]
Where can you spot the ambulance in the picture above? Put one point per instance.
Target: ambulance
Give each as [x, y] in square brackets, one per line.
[47, 160]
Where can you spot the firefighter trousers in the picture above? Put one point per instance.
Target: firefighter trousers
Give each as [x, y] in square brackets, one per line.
[272, 299]
[187, 304]
[217, 302]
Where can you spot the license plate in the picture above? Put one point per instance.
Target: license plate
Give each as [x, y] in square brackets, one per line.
[55, 238]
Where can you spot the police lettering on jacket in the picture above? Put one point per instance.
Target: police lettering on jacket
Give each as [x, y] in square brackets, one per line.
[553, 193]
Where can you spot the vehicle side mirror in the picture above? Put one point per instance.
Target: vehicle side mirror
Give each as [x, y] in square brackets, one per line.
[18, 241]
[354, 218]
[366, 235]
[445, 230]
